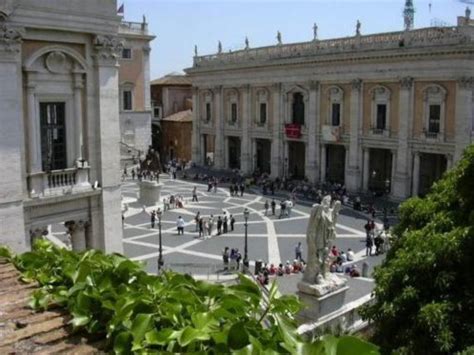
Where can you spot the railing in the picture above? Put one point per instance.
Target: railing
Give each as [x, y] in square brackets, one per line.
[431, 135]
[378, 131]
[59, 182]
[61, 178]
[134, 27]
[210, 272]
[422, 37]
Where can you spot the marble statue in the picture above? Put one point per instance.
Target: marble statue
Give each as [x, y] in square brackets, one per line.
[319, 235]
[315, 32]
[219, 47]
[195, 50]
[279, 37]
[468, 15]
[358, 25]
[247, 46]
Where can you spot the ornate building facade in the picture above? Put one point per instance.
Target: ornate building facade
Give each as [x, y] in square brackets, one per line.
[388, 112]
[60, 132]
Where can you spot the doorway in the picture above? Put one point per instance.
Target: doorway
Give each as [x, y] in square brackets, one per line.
[53, 136]
[296, 160]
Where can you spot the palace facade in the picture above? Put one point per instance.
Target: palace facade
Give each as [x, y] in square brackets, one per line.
[387, 112]
[59, 122]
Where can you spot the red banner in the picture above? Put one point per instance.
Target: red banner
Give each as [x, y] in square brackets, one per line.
[293, 130]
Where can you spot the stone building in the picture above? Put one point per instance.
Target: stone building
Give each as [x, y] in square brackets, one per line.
[388, 111]
[171, 98]
[60, 132]
[134, 81]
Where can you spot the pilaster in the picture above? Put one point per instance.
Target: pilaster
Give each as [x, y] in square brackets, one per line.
[311, 151]
[276, 149]
[219, 161]
[401, 177]
[353, 171]
[463, 120]
[416, 173]
[245, 157]
[196, 141]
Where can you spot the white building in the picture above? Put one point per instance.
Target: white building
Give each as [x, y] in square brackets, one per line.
[59, 121]
[387, 111]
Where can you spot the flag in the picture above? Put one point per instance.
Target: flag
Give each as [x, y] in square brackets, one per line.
[121, 10]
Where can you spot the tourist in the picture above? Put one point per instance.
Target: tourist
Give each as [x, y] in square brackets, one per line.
[232, 221]
[172, 201]
[215, 185]
[299, 251]
[180, 225]
[296, 266]
[196, 220]
[242, 188]
[280, 270]
[273, 207]
[210, 224]
[224, 223]
[225, 258]
[195, 197]
[272, 269]
[133, 174]
[282, 209]
[209, 185]
[342, 257]
[266, 206]
[288, 268]
[367, 228]
[201, 227]
[353, 271]
[289, 206]
[334, 251]
[231, 189]
[368, 245]
[350, 255]
[378, 241]
[219, 225]
[153, 219]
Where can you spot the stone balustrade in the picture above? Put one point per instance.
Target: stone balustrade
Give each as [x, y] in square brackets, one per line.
[433, 36]
[58, 182]
[134, 27]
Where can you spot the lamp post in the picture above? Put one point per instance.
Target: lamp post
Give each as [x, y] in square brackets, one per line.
[159, 213]
[387, 186]
[246, 259]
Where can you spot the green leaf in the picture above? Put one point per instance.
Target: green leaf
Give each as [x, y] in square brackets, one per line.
[238, 337]
[123, 343]
[80, 320]
[141, 324]
[190, 335]
[348, 345]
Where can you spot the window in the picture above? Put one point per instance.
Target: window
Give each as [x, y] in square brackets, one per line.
[208, 111]
[336, 114]
[126, 53]
[233, 113]
[298, 109]
[263, 113]
[53, 136]
[381, 116]
[127, 100]
[434, 119]
[157, 112]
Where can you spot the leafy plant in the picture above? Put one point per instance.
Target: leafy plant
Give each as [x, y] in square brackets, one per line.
[170, 313]
[425, 288]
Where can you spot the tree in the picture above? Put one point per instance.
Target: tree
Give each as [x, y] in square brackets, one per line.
[424, 293]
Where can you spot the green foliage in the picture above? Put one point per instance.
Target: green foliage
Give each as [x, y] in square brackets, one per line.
[425, 288]
[170, 313]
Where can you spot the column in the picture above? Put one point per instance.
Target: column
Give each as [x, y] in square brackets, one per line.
[34, 137]
[416, 173]
[366, 165]
[12, 138]
[449, 161]
[77, 231]
[146, 76]
[323, 163]
[277, 161]
[311, 157]
[392, 173]
[401, 178]
[107, 49]
[463, 120]
[196, 146]
[78, 86]
[219, 160]
[245, 158]
[353, 170]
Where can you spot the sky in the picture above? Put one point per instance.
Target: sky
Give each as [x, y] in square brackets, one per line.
[180, 24]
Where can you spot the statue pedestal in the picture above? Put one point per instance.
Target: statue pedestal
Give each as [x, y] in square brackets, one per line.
[150, 193]
[323, 298]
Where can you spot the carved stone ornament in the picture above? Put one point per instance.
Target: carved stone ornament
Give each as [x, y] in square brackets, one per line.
[57, 63]
[380, 92]
[466, 82]
[434, 92]
[335, 94]
[406, 82]
[9, 37]
[356, 84]
[262, 95]
[108, 47]
[314, 85]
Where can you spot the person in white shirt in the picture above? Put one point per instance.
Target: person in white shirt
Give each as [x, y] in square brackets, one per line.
[350, 255]
[180, 225]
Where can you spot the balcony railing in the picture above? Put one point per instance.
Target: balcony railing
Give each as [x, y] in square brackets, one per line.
[431, 135]
[59, 182]
[134, 27]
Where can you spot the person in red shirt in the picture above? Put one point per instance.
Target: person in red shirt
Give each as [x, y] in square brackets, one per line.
[334, 251]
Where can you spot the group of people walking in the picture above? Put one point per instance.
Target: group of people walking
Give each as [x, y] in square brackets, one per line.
[205, 226]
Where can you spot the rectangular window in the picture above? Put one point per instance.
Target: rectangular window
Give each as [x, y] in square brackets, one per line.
[208, 111]
[381, 116]
[157, 112]
[263, 113]
[127, 100]
[126, 53]
[336, 114]
[434, 119]
[53, 136]
[233, 113]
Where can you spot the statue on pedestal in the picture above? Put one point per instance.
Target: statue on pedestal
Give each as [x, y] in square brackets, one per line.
[319, 235]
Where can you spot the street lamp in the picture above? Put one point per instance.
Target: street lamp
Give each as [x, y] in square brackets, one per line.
[246, 259]
[387, 186]
[159, 213]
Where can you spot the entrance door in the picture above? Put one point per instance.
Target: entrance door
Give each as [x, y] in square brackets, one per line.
[234, 152]
[296, 160]
[432, 167]
[380, 170]
[53, 136]
[263, 155]
[335, 163]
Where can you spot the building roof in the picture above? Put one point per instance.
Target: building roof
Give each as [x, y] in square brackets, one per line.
[22, 330]
[182, 116]
[172, 79]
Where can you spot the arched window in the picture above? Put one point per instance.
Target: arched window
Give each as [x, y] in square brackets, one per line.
[298, 109]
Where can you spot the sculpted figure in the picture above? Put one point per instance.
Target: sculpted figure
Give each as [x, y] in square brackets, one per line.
[319, 235]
